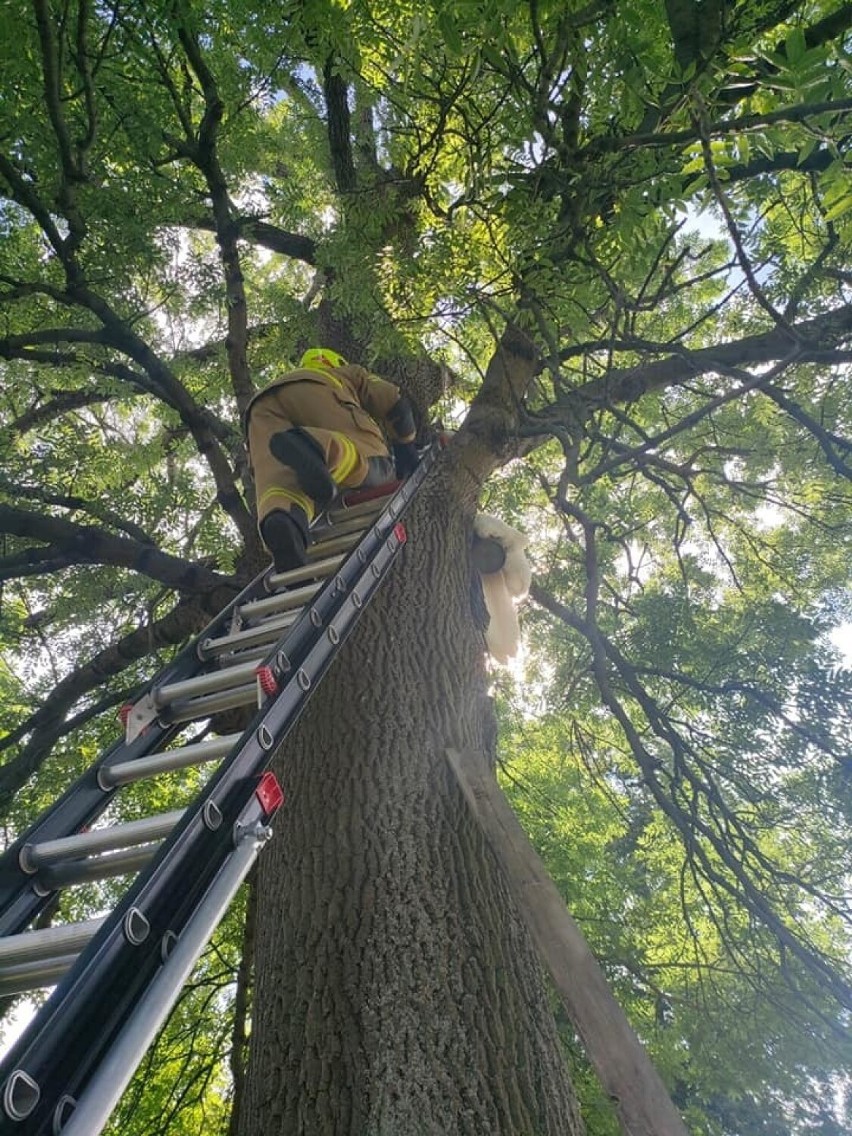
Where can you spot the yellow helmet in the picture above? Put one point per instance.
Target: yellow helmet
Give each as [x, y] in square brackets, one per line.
[321, 357]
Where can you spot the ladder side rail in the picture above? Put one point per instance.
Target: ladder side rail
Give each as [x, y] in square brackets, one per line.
[70, 1032]
[25, 1098]
[85, 799]
[67, 815]
[288, 653]
[21, 896]
[84, 985]
[104, 1090]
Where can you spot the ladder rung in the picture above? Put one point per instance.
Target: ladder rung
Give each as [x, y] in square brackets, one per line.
[362, 508]
[105, 867]
[40, 958]
[34, 976]
[35, 946]
[281, 601]
[208, 683]
[125, 772]
[318, 570]
[344, 527]
[259, 652]
[334, 544]
[34, 856]
[267, 632]
[196, 709]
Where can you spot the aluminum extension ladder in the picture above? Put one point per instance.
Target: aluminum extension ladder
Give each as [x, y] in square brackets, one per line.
[118, 977]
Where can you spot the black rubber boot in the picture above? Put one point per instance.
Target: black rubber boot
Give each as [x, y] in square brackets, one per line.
[298, 450]
[286, 537]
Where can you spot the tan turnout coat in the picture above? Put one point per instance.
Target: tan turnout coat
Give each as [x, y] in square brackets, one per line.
[339, 408]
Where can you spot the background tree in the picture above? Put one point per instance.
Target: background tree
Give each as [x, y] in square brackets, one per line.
[610, 244]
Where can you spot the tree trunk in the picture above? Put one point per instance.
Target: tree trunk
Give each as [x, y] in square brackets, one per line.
[397, 992]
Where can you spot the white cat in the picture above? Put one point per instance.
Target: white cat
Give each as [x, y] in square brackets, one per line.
[504, 588]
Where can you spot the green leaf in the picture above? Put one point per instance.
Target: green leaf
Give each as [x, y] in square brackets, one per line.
[451, 33]
[795, 45]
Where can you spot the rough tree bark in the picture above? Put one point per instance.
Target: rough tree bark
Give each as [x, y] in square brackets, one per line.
[397, 991]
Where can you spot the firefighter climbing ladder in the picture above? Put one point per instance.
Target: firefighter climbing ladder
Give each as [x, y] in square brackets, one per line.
[120, 975]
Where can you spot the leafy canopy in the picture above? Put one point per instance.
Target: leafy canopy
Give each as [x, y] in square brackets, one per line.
[611, 243]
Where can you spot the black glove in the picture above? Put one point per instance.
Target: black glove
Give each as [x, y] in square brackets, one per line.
[401, 417]
[405, 458]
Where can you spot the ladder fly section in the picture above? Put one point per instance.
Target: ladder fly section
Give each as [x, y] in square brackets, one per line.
[120, 975]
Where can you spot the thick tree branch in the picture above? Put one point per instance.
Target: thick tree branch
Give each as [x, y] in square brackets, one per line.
[155, 378]
[77, 504]
[71, 171]
[13, 343]
[117, 332]
[63, 402]
[829, 28]
[194, 417]
[338, 125]
[696, 29]
[40, 561]
[266, 235]
[87, 544]
[278, 240]
[204, 150]
[488, 436]
[83, 63]
[810, 341]
[788, 160]
[837, 450]
[56, 358]
[24, 195]
[137, 380]
[775, 705]
[694, 42]
[625, 455]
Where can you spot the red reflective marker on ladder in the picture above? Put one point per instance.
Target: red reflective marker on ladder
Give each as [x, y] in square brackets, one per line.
[267, 681]
[269, 793]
